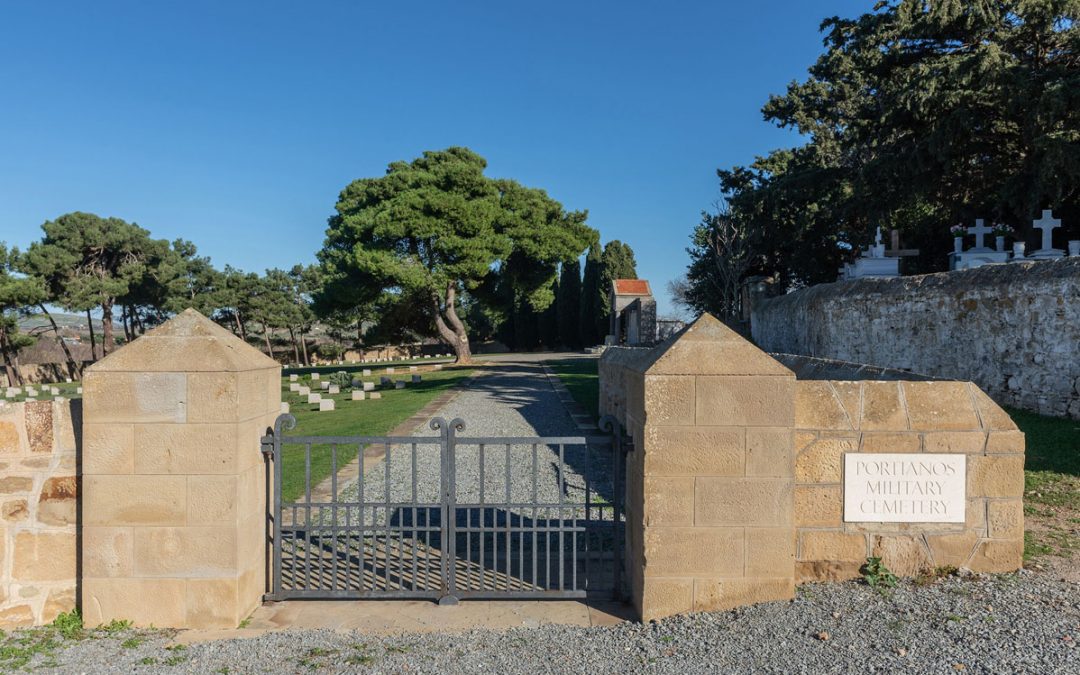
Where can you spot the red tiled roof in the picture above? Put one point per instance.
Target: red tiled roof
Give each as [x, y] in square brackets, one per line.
[632, 287]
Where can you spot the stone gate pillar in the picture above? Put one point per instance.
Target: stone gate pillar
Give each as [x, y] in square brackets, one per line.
[173, 480]
[710, 480]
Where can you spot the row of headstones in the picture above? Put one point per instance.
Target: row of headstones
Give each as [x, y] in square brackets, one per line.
[342, 362]
[32, 393]
[361, 391]
[1048, 224]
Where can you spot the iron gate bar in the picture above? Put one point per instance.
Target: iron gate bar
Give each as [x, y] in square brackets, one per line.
[323, 563]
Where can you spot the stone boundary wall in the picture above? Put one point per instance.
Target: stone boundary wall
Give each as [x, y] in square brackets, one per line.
[38, 501]
[1014, 330]
[840, 417]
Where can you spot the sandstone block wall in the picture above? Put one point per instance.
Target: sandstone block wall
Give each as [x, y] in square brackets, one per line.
[174, 484]
[709, 481]
[1014, 330]
[833, 418]
[38, 510]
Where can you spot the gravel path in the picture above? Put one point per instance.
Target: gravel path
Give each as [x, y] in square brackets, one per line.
[1025, 623]
[511, 400]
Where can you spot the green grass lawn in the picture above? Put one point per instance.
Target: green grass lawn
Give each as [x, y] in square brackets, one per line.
[1051, 484]
[582, 380]
[353, 418]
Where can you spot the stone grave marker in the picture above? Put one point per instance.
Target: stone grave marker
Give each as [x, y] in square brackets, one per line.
[366, 372]
[303, 391]
[315, 376]
[358, 396]
[416, 379]
[375, 395]
[1048, 223]
[333, 389]
[314, 398]
[294, 386]
[326, 404]
[369, 386]
[400, 384]
[284, 408]
[294, 378]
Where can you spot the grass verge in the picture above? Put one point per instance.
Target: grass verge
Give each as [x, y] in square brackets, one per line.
[581, 378]
[1051, 485]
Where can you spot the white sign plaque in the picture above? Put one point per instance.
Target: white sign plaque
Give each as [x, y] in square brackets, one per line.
[904, 488]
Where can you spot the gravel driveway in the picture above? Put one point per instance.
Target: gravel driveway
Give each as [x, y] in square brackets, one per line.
[1016, 623]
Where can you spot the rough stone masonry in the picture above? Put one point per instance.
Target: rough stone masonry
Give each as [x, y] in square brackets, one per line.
[1012, 329]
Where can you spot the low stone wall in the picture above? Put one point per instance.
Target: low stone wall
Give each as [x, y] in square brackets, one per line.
[735, 486]
[835, 418]
[1013, 329]
[38, 507]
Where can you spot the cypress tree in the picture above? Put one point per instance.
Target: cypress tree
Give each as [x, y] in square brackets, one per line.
[616, 262]
[568, 300]
[593, 299]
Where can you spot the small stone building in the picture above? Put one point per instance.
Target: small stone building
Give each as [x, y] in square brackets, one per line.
[633, 313]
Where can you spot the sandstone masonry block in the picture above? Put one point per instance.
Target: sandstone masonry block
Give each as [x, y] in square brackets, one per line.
[693, 551]
[667, 597]
[712, 595]
[891, 442]
[769, 452]
[1005, 519]
[818, 506]
[669, 501]
[831, 545]
[742, 501]
[996, 476]
[746, 401]
[692, 451]
[669, 400]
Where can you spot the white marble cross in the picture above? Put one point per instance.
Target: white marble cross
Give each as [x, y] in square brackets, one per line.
[980, 230]
[1048, 223]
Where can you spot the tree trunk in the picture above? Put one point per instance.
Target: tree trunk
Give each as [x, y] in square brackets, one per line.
[108, 343]
[295, 347]
[14, 377]
[93, 347]
[456, 336]
[303, 345]
[269, 345]
[74, 368]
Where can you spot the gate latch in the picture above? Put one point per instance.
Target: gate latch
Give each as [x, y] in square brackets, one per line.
[267, 445]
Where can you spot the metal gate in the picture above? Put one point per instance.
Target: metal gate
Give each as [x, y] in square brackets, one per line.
[445, 516]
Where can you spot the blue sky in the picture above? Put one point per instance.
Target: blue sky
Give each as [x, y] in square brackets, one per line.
[236, 124]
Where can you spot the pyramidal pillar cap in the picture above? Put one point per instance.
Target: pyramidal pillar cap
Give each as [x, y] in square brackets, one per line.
[188, 342]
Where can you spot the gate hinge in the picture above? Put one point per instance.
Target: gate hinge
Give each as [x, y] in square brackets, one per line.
[266, 445]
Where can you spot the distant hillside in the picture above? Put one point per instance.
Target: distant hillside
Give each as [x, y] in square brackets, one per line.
[74, 323]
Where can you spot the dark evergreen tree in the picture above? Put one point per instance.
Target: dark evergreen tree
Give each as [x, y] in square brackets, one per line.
[593, 299]
[568, 301]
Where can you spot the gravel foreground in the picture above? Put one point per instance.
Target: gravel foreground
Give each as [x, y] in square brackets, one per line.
[1016, 623]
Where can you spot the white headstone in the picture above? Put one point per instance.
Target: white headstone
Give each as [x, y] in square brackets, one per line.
[412, 369]
[327, 404]
[358, 396]
[1048, 223]
[294, 378]
[369, 386]
[314, 398]
[294, 386]
[375, 394]
[389, 371]
[315, 376]
[904, 488]
[333, 389]
[366, 372]
[324, 385]
[284, 408]
[303, 391]
[980, 230]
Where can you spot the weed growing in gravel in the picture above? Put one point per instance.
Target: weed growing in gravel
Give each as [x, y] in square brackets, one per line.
[115, 626]
[147, 661]
[929, 576]
[877, 575]
[132, 642]
[174, 660]
[69, 625]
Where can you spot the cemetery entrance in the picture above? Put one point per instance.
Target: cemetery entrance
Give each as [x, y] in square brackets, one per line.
[444, 517]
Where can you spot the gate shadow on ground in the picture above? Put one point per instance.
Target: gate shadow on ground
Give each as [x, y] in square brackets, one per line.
[494, 551]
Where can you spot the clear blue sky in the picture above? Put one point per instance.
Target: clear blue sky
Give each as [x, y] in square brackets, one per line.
[236, 124]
